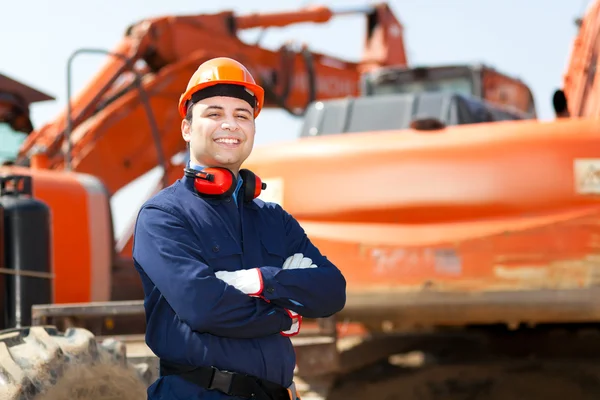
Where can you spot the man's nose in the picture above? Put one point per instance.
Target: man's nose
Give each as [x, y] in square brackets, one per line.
[229, 125]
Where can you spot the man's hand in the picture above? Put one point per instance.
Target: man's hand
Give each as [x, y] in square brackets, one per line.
[298, 261]
[296, 322]
[248, 281]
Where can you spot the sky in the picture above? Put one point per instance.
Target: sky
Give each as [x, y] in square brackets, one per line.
[530, 40]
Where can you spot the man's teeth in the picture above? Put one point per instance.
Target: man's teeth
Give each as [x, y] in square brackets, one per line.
[230, 141]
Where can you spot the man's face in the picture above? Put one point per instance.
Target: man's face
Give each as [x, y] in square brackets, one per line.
[221, 133]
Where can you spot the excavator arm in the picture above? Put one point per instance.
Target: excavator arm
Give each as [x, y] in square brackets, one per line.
[580, 96]
[125, 121]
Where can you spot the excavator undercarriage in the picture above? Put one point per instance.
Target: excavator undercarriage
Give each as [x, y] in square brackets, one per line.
[491, 362]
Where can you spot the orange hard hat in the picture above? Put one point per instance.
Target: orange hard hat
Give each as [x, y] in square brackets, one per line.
[222, 70]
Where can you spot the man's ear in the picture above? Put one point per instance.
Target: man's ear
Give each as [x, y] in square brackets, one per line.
[186, 130]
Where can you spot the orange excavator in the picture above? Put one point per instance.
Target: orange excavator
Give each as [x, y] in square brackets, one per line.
[57, 184]
[452, 211]
[122, 125]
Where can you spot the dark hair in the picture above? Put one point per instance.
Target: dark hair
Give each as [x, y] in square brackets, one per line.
[189, 114]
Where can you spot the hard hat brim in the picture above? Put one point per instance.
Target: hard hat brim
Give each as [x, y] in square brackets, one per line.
[258, 91]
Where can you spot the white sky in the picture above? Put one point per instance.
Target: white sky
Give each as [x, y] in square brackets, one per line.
[529, 39]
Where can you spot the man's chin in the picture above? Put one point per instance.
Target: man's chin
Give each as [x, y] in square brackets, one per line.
[229, 161]
[230, 164]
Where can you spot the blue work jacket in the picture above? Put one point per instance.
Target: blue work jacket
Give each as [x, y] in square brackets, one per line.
[194, 318]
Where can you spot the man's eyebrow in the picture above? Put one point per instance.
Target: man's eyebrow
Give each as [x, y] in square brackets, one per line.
[243, 109]
[215, 107]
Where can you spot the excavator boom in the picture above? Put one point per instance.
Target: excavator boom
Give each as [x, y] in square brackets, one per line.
[580, 96]
[127, 117]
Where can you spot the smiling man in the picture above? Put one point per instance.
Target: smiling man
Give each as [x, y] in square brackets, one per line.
[227, 277]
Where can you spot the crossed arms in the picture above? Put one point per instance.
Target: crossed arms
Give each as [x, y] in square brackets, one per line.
[168, 254]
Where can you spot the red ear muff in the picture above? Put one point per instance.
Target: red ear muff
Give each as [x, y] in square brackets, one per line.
[220, 182]
[253, 185]
[212, 182]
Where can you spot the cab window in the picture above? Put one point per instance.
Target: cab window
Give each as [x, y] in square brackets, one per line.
[10, 141]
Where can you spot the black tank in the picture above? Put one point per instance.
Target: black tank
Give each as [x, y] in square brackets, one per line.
[27, 252]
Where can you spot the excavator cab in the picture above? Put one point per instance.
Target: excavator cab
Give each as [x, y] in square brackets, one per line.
[15, 120]
[425, 98]
[479, 81]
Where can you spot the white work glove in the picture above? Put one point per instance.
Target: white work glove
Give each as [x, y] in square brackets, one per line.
[248, 281]
[298, 261]
[296, 322]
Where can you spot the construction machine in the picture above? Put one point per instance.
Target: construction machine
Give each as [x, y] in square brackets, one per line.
[465, 227]
[57, 184]
[122, 125]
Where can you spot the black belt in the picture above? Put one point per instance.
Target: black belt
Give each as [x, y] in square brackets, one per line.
[230, 383]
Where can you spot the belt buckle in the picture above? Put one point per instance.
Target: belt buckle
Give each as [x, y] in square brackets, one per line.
[221, 380]
[292, 392]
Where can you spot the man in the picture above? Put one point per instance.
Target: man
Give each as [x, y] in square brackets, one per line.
[227, 277]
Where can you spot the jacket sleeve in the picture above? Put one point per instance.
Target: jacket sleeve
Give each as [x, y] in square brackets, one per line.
[166, 251]
[313, 292]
